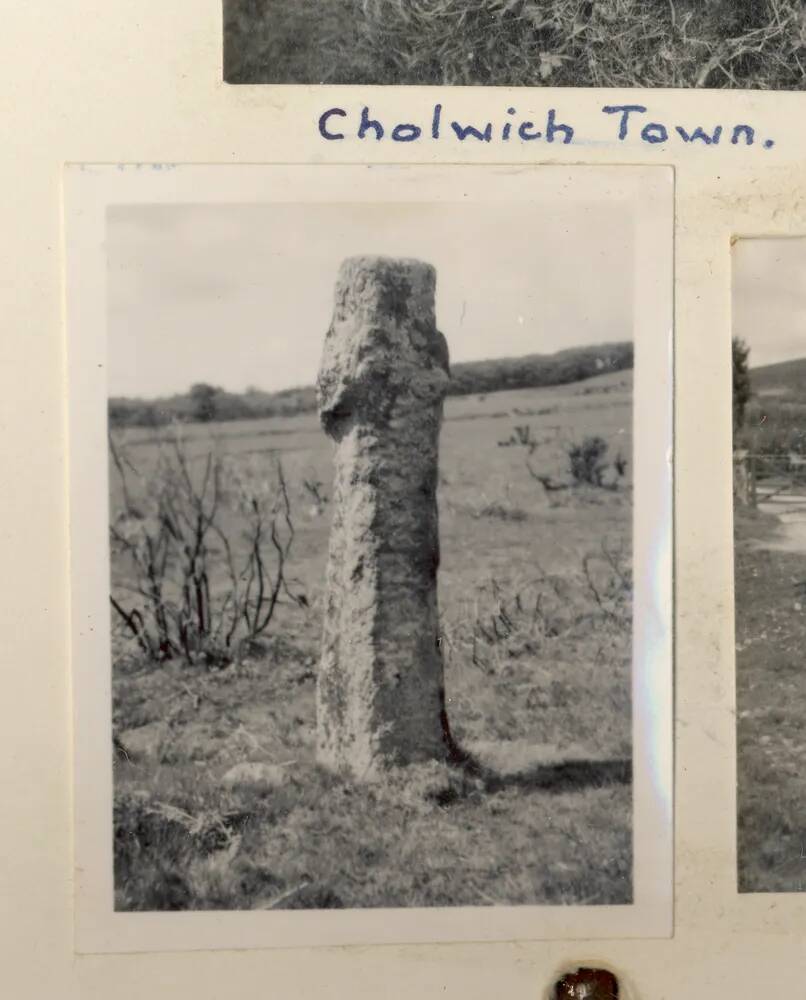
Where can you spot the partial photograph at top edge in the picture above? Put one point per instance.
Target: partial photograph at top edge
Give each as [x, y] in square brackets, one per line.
[734, 44]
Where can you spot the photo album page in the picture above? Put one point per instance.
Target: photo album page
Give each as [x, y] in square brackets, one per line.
[404, 406]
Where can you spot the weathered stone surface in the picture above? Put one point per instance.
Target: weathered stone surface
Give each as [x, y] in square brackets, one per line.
[384, 374]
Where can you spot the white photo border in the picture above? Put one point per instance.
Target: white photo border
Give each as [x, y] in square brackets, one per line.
[648, 194]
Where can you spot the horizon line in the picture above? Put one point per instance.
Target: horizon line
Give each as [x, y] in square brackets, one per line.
[312, 384]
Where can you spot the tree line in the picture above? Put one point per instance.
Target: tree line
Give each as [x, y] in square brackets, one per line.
[204, 403]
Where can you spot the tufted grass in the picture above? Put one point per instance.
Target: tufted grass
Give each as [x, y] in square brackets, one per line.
[756, 44]
[535, 612]
[770, 694]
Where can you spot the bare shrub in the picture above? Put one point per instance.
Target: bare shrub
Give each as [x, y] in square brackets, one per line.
[191, 588]
[315, 490]
[609, 579]
[519, 620]
[504, 622]
[521, 438]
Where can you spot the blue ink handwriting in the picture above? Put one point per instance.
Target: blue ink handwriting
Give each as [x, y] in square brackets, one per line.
[632, 125]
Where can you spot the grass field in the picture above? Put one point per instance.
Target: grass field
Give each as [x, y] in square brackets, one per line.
[535, 599]
[775, 421]
[771, 693]
[754, 44]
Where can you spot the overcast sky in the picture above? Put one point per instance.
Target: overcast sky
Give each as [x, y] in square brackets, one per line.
[769, 298]
[240, 295]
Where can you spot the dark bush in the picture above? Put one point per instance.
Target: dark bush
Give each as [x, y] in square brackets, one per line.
[586, 463]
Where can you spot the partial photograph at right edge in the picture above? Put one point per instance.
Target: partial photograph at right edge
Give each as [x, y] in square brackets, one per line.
[769, 499]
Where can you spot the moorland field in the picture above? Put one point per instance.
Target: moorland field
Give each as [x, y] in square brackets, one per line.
[535, 592]
[770, 573]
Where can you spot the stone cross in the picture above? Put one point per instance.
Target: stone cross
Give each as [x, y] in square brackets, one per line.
[384, 374]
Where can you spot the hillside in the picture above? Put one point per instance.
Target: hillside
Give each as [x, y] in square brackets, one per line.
[775, 421]
[787, 378]
[204, 403]
[535, 371]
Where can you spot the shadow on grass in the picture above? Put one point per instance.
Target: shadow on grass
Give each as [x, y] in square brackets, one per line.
[553, 777]
[563, 776]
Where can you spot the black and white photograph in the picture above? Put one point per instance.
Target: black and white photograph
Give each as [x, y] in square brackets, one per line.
[375, 596]
[735, 44]
[769, 426]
